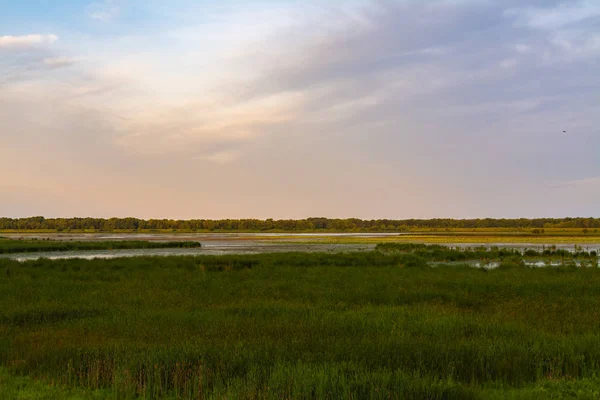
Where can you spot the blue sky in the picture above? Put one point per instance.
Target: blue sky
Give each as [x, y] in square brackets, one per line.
[300, 108]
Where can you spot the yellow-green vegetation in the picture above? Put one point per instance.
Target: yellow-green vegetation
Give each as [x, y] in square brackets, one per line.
[443, 239]
[380, 325]
[8, 246]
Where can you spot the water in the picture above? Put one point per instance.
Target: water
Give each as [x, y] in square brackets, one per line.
[237, 243]
[526, 246]
[218, 248]
[527, 263]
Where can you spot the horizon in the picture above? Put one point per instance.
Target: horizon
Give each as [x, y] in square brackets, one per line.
[309, 218]
[257, 109]
[315, 218]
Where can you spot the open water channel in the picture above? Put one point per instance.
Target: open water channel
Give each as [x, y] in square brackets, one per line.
[234, 243]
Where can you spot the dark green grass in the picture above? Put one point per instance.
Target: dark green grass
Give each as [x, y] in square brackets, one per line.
[356, 326]
[445, 253]
[14, 387]
[8, 246]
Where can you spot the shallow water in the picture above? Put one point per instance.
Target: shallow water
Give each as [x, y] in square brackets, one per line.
[237, 243]
[214, 248]
[527, 246]
[264, 238]
[527, 263]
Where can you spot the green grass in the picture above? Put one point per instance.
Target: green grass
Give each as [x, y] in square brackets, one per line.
[439, 253]
[365, 325]
[8, 246]
[582, 389]
[24, 388]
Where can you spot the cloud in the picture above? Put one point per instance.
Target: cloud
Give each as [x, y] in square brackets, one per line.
[593, 182]
[220, 157]
[508, 63]
[461, 105]
[58, 62]
[106, 15]
[556, 17]
[523, 48]
[167, 128]
[104, 11]
[26, 41]
[575, 44]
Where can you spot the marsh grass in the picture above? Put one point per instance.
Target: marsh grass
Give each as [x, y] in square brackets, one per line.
[8, 246]
[361, 325]
[445, 253]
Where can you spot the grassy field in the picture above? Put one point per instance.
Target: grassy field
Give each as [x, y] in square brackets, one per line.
[8, 246]
[482, 239]
[365, 325]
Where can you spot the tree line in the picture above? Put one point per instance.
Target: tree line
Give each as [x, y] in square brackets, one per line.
[308, 224]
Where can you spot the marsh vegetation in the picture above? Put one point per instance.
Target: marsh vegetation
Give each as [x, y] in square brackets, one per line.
[381, 324]
[11, 246]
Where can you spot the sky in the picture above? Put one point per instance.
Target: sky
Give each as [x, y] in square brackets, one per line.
[291, 109]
